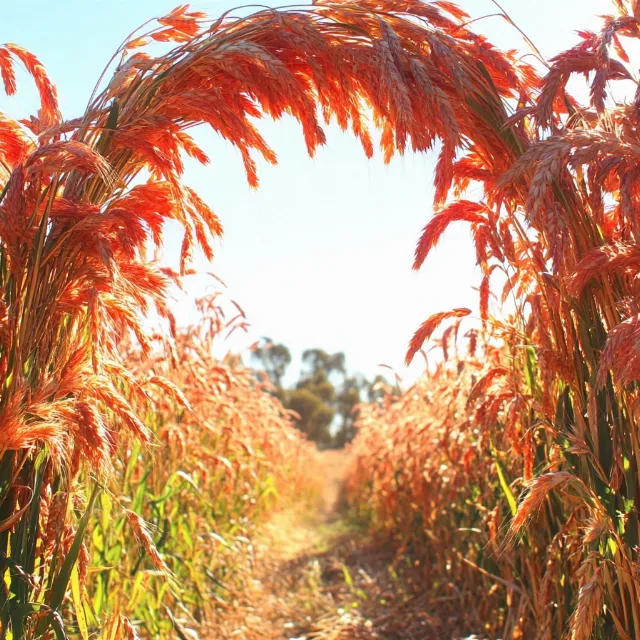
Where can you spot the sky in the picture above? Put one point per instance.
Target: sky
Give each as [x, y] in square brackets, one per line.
[319, 256]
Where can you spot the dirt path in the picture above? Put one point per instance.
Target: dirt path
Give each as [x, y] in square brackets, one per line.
[315, 577]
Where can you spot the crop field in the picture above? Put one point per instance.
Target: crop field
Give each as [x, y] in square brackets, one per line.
[152, 488]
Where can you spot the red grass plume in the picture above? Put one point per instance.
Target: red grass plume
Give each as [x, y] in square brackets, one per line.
[460, 211]
[427, 328]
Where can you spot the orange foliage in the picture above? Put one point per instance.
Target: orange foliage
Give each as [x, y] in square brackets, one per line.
[557, 216]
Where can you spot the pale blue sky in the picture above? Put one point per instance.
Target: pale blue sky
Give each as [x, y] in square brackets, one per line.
[320, 255]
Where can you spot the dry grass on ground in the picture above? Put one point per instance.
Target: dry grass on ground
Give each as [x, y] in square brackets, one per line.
[313, 576]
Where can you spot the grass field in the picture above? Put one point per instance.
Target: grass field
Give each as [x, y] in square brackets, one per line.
[149, 489]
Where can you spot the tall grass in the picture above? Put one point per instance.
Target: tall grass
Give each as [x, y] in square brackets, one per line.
[550, 405]
[549, 412]
[83, 204]
[170, 547]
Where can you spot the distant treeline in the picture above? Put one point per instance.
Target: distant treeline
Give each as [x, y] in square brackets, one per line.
[325, 396]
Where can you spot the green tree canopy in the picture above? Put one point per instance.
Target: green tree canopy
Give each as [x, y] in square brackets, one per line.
[274, 359]
[318, 360]
[316, 415]
[325, 396]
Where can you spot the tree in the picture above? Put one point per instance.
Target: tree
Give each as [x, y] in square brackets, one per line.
[316, 414]
[318, 360]
[347, 399]
[324, 397]
[314, 397]
[274, 359]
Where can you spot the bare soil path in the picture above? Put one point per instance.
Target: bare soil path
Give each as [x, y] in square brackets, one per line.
[315, 577]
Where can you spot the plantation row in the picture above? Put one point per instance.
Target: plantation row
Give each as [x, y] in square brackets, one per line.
[134, 465]
[170, 540]
[512, 469]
